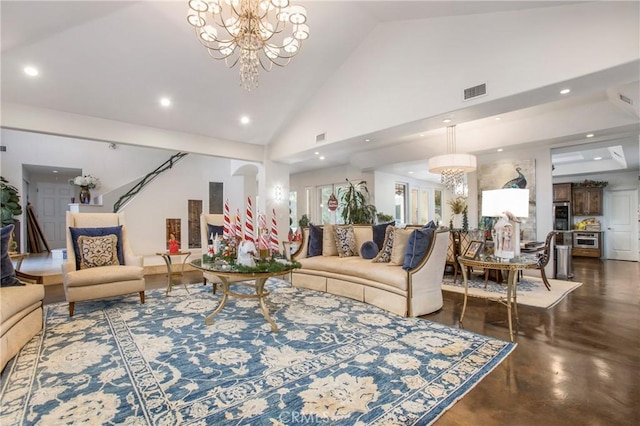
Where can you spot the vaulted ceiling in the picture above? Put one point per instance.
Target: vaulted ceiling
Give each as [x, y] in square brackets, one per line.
[115, 60]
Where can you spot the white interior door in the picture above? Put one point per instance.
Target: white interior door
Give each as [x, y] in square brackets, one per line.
[621, 235]
[53, 202]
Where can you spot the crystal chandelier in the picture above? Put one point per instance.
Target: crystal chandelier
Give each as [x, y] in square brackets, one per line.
[452, 166]
[249, 32]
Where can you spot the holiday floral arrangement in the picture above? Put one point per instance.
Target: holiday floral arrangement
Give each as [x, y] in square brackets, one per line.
[590, 184]
[86, 181]
[223, 254]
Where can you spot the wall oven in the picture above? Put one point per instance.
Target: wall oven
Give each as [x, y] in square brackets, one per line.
[585, 239]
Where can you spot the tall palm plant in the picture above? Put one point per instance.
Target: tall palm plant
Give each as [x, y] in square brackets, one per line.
[354, 201]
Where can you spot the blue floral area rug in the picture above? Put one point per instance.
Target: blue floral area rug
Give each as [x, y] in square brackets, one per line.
[334, 361]
[531, 291]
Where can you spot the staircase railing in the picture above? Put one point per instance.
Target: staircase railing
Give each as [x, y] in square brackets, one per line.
[124, 199]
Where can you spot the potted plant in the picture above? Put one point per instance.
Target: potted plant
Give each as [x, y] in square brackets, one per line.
[354, 201]
[10, 203]
[458, 206]
[383, 218]
[304, 221]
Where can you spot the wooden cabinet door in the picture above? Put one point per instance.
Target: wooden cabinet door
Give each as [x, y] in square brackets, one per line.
[562, 192]
[595, 201]
[579, 202]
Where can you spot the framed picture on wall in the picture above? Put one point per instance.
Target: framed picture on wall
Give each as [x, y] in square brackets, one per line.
[474, 250]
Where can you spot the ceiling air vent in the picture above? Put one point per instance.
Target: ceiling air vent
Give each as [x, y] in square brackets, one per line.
[475, 91]
[321, 137]
[624, 99]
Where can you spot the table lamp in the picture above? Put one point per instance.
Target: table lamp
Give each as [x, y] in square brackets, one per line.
[508, 204]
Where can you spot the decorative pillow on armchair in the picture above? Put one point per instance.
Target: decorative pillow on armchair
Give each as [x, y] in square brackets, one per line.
[215, 229]
[98, 251]
[96, 232]
[346, 241]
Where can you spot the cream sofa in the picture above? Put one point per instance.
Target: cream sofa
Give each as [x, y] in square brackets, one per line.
[407, 293]
[21, 318]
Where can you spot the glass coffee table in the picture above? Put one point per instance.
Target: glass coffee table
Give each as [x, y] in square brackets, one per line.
[228, 276]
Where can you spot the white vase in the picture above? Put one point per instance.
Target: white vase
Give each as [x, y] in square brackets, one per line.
[457, 221]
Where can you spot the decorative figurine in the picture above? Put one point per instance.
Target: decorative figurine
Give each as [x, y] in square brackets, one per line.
[174, 245]
[246, 253]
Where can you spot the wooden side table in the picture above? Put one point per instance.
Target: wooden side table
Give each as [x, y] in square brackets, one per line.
[167, 260]
[18, 258]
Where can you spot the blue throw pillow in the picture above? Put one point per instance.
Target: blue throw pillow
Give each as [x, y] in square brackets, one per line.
[431, 225]
[8, 273]
[417, 247]
[369, 250]
[314, 248]
[379, 231]
[96, 232]
[215, 229]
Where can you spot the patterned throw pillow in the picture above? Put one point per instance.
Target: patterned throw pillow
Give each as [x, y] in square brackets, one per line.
[98, 251]
[346, 241]
[96, 232]
[384, 256]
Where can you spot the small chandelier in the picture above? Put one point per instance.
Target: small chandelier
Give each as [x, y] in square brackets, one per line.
[452, 166]
[249, 32]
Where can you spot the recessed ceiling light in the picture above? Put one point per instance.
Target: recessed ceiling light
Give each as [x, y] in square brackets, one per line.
[54, 171]
[322, 158]
[31, 71]
[367, 140]
[500, 149]
[446, 120]
[589, 135]
[565, 91]
[498, 118]
[244, 119]
[316, 153]
[597, 158]
[410, 172]
[165, 102]
[421, 135]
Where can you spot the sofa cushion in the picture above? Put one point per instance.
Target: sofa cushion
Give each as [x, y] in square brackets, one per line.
[96, 232]
[399, 248]
[104, 275]
[314, 248]
[98, 251]
[346, 241]
[369, 250]
[417, 247]
[384, 256]
[379, 233]
[356, 266]
[329, 247]
[8, 273]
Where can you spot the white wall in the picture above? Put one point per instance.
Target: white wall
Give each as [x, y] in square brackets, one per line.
[166, 197]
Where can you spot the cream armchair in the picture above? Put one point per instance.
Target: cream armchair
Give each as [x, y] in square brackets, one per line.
[99, 275]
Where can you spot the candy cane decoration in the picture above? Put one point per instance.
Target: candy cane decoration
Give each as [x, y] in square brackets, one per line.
[273, 238]
[238, 224]
[263, 243]
[226, 228]
[248, 222]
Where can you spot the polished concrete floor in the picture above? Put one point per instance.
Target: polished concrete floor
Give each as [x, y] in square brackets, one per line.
[577, 363]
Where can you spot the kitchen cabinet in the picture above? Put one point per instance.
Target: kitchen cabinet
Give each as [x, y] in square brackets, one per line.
[562, 192]
[587, 244]
[587, 202]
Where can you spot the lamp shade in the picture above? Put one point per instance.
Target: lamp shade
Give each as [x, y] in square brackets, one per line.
[463, 162]
[514, 200]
